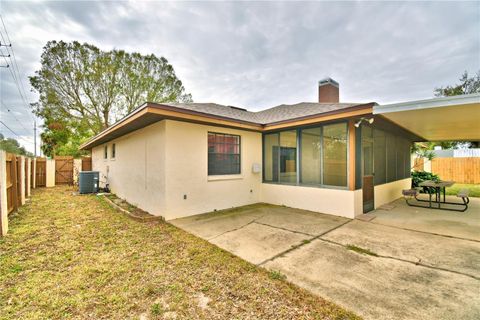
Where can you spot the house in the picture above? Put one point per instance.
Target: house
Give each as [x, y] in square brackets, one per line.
[345, 159]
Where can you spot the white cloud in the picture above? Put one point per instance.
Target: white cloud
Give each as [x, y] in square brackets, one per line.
[262, 54]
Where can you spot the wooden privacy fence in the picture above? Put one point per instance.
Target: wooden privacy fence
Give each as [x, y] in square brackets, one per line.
[460, 170]
[15, 184]
[19, 174]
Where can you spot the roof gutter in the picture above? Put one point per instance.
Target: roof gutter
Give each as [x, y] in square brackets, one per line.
[427, 103]
[170, 112]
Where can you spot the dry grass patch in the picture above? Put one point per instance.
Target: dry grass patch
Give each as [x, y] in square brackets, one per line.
[72, 256]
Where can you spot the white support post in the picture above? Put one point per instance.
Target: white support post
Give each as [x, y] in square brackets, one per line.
[34, 168]
[29, 175]
[22, 180]
[3, 194]
[427, 165]
[50, 172]
[77, 168]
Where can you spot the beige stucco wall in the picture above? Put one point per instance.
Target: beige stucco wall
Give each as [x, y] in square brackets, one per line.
[163, 169]
[137, 174]
[155, 167]
[331, 201]
[187, 171]
[391, 191]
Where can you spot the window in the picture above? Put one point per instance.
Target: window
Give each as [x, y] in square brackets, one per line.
[270, 154]
[335, 154]
[105, 152]
[113, 151]
[288, 156]
[223, 154]
[309, 156]
[311, 147]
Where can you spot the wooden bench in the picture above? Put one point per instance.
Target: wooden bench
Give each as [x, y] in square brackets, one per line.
[409, 194]
[463, 193]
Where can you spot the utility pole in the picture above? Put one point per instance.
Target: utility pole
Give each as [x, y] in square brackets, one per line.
[35, 138]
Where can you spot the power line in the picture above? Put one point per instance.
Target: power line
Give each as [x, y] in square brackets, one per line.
[18, 82]
[25, 140]
[15, 67]
[13, 114]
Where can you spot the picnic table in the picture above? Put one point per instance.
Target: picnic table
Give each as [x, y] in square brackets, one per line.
[438, 187]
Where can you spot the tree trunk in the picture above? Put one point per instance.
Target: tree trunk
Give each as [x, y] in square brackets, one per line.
[105, 119]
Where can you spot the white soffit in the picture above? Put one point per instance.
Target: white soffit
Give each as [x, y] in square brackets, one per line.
[438, 119]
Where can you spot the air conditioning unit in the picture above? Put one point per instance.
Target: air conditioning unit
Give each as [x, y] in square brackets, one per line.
[88, 181]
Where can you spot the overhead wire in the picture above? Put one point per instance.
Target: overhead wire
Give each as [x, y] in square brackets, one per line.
[15, 73]
[20, 137]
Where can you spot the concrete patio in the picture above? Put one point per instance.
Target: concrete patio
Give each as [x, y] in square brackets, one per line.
[418, 263]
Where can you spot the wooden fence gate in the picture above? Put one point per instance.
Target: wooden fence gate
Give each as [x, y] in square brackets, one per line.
[86, 164]
[41, 173]
[64, 170]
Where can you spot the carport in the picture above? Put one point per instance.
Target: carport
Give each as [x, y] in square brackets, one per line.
[439, 119]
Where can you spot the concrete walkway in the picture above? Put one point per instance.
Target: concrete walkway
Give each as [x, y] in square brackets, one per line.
[403, 264]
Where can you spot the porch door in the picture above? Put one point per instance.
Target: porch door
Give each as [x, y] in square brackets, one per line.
[367, 169]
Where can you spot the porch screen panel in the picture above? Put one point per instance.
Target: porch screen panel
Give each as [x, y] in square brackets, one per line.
[288, 156]
[400, 158]
[311, 146]
[223, 154]
[379, 155]
[271, 157]
[408, 166]
[391, 157]
[335, 154]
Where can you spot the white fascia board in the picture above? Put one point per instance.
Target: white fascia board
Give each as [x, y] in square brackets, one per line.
[428, 103]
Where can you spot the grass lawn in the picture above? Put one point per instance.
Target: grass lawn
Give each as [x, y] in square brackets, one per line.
[70, 256]
[474, 189]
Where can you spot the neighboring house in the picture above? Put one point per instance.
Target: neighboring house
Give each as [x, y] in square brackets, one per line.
[175, 160]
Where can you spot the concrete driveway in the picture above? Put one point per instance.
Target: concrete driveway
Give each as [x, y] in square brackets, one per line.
[406, 263]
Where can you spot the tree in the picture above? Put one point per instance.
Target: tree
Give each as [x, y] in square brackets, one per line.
[467, 85]
[12, 146]
[83, 90]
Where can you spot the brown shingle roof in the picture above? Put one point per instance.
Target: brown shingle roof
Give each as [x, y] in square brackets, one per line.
[279, 113]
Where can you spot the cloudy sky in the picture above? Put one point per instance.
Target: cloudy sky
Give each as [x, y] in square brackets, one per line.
[258, 54]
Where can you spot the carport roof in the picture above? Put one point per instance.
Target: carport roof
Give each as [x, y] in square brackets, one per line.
[438, 119]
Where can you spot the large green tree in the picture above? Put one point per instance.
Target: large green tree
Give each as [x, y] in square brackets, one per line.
[83, 90]
[12, 146]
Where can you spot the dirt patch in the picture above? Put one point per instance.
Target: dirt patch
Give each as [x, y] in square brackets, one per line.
[129, 209]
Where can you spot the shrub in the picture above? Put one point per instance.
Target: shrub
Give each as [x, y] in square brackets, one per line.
[420, 176]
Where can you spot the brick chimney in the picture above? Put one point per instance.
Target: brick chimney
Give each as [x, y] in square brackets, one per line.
[328, 91]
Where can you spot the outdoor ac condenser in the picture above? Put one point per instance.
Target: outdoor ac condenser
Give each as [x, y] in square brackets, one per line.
[88, 182]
